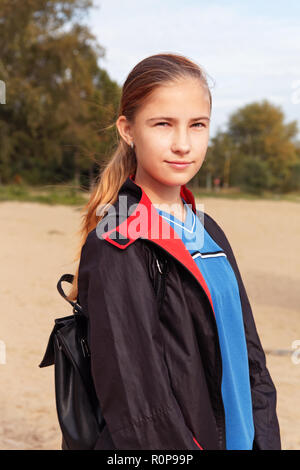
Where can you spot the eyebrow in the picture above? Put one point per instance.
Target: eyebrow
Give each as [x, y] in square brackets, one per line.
[174, 119]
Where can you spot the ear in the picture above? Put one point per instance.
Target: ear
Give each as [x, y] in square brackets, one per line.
[125, 129]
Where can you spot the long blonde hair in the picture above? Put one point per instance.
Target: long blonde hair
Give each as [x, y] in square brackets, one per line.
[147, 75]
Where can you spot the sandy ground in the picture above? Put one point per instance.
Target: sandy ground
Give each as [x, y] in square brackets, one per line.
[37, 246]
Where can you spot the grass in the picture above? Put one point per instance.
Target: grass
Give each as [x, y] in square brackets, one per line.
[67, 194]
[235, 193]
[48, 194]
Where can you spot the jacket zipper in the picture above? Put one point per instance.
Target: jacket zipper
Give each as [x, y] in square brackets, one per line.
[161, 293]
[220, 419]
[161, 284]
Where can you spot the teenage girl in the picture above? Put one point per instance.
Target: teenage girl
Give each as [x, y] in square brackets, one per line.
[182, 366]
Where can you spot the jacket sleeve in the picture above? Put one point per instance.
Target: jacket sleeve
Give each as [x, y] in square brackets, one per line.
[267, 433]
[127, 355]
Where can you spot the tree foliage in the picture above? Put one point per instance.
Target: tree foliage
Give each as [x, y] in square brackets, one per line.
[58, 100]
[258, 150]
[59, 104]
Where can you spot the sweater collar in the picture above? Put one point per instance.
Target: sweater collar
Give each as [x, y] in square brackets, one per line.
[133, 207]
[184, 192]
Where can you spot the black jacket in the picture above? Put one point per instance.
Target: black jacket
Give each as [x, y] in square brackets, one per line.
[157, 369]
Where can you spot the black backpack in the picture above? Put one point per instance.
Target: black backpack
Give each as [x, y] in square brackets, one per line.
[78, 409]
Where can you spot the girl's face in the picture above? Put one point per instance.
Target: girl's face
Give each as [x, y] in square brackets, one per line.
[171, 126]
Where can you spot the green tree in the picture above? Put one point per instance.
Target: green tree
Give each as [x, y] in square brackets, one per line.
[255, 175]
[293, 182]
[221, 160]
[259, 131]
[58, 99]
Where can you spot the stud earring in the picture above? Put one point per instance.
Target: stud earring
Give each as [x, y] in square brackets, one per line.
[132, 145]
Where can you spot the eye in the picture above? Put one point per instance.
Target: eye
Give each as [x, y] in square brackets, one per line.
[159, 123]
[199, 123]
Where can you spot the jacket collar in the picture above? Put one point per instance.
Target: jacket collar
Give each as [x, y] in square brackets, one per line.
[134, 216]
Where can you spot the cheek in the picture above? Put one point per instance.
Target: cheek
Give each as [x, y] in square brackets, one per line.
[200, 148]
[201, 137]
[152, 146]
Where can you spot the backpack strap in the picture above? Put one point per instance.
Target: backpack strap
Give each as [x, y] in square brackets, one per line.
[162, 266]
[68, 278]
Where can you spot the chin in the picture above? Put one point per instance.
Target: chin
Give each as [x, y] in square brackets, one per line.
[169, 179]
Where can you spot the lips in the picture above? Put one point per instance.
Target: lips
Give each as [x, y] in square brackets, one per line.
[179, 165]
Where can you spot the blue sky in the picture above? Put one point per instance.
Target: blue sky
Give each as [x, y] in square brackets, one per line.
[250, 49]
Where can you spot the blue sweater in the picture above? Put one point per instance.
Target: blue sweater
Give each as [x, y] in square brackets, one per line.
[222, 284]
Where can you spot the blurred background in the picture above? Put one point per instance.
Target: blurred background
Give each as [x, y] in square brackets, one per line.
[62, 66]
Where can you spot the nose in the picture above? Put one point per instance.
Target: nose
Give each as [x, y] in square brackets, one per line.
[181, 143]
